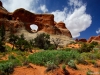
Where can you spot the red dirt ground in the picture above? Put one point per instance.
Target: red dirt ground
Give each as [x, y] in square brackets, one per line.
[40, 70]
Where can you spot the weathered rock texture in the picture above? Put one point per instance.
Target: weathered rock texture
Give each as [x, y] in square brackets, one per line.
[21, 17]
[94, 38]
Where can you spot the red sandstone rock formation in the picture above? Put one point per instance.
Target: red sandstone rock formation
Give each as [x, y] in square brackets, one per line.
[63, 29]
[81, 40]
[45, 22]
[94, 38]
[90, 39]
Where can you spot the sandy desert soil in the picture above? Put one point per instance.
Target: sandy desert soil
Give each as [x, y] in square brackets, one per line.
[40, 70]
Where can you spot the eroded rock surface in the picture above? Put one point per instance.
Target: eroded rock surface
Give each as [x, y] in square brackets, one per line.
[22, 17]
[94, 38]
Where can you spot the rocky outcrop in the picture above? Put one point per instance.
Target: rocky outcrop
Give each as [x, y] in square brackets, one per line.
[45, 22]
[81, 40]
[94, 38]
[63, 29]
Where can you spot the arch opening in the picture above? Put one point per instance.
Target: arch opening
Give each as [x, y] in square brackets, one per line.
[34, 27]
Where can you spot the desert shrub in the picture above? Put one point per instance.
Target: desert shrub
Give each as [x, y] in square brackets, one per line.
[8, 48]
[50, 66]
[65, 71]
[20, 59]
[68, 49]
[56, 42]
[86, 47]
[6, 67]
[11, 57]
[72, 64]
[42, 41]
[64, 66]
[92, 61]
[58, 57]
[94, 43]
[23, 44]
[81, 60]
[97, 54]
[85, 57]
[89, 72]
[23, 60]
[14, 60]
[90, 56]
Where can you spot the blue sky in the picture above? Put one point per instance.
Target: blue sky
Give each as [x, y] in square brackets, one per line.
[80, 16]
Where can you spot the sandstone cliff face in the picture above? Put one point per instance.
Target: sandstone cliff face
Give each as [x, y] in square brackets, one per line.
[22, 17]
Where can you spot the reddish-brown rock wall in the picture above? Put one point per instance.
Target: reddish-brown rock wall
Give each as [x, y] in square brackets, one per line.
[45, 22]
[81, 40]
[94, 38]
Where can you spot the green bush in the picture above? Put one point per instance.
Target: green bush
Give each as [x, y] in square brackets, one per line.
[58, 57]
[63, 66]
[82, 61]
[71, 64]
[6, 67]
[65, 71]
[86, 47]
[23, 44]
[42, 41]
[50, 66]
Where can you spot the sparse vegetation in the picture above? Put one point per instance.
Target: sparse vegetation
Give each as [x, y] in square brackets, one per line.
[63, 66]
[19, 53]
[57, 57]
[7, 67]
[50, 66]
[42, 41]
[87, 47]
[56, 42]
[72, 64]
[89, 72]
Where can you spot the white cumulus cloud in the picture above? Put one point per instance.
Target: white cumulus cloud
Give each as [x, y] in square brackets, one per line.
[43, 8]
[74, 16]
[76, 19]
[11, 5]
[98, 31]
